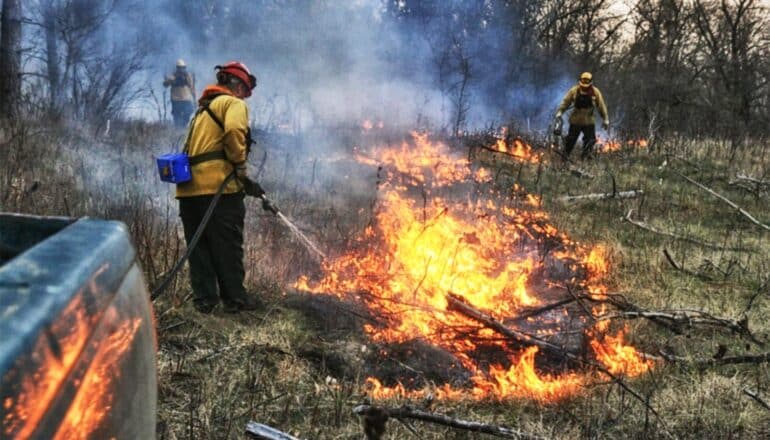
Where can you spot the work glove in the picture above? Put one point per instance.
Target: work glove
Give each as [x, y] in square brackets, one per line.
[606, 124]
[268, 205]
[252, 188]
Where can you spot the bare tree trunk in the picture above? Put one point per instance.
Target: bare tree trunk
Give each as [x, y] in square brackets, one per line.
[52, 56]
[10, 58]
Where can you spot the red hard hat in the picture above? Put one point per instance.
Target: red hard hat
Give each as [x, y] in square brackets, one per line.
[240, 71]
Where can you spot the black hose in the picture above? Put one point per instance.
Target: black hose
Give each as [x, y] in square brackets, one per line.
[198, 232]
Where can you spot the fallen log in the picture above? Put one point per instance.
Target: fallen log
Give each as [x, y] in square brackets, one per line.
[379, 416]
[646, 227]
[603, 196]
[264, 432]
[727, 201]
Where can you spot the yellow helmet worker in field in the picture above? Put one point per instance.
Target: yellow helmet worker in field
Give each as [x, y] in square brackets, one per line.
[584, 97]
[218, 144]
[182, 85]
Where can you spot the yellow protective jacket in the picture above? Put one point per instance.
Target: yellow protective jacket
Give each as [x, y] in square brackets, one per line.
[205, 136]
[182, 90]
[584, 116]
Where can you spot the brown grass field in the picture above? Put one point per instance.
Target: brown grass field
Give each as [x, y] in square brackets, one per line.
[300, 364]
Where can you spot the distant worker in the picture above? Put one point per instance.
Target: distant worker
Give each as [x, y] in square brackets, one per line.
[218, 144]
[182, 85]
[585, 97]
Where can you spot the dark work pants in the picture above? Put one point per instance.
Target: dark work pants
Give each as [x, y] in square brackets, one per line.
[181, 111]
[217, 260]
[589, 139]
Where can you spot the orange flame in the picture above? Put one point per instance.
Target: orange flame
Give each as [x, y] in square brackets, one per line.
[620, 358]
[95, 398]
[518, 149]
[427, 243]
[25, 410]
[612, 145]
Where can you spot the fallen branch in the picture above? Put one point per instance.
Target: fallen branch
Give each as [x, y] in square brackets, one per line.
[751, 184]
[756, 398]
[603, 196]
[380, 415]
[264, 432]
[646, 227]
[459, 305]
[688, 318]
[728, 201]
[702, 363]
[734, 360]
[681, 268]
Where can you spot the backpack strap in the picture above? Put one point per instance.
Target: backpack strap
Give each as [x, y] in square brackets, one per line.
[203, 107]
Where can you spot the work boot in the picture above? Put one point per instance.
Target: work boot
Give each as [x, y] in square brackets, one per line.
[249, 303]
[204, 308]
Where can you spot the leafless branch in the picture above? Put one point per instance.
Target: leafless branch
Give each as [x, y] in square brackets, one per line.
[728, 201]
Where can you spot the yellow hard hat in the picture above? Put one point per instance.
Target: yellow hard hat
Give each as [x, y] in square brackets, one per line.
[180, 63]
[586, 78]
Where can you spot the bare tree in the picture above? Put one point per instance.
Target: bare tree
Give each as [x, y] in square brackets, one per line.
[734, 44]
[10, 58]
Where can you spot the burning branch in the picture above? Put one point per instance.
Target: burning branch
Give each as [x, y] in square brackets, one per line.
[457, 304]
[376, 417]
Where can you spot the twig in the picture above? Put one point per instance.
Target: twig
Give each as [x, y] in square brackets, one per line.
[406, 412]
[264, 432]
[681, 268]
[726, 200]
[756, 398]
[734, 360]
[603, 196]
[705, 244]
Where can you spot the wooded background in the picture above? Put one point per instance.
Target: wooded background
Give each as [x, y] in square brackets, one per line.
[697, 68]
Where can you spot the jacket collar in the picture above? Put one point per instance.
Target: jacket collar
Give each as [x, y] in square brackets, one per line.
[212, 91]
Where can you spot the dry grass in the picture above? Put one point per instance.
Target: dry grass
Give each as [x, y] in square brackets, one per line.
[288, 367]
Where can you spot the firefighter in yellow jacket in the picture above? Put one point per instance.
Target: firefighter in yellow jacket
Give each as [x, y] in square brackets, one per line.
[182, 85]
[584, 97]
[217, 145]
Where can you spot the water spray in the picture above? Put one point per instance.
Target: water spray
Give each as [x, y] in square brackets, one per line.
[309, 245]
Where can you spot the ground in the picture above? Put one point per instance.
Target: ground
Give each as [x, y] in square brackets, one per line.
[300, 367]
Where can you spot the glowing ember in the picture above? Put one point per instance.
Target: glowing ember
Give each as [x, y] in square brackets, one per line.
[435, 232]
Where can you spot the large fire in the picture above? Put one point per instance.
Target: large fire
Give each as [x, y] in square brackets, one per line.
[441, 228]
